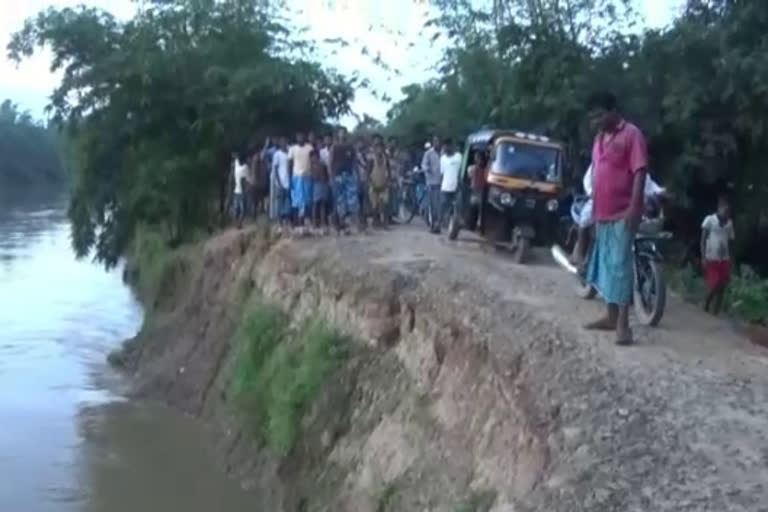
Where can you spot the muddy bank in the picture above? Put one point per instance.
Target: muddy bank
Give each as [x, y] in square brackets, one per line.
[470, 386]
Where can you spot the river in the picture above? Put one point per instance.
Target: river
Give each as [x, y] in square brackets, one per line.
[69, 440]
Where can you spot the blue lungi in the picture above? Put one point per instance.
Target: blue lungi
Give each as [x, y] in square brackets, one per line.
[610, 266]
[301, 194]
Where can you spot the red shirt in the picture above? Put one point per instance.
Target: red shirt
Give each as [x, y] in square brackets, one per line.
[616, 157]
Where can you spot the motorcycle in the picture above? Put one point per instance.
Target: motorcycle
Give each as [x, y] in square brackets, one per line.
[650, 287]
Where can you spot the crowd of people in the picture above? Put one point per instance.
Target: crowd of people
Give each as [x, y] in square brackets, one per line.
[310, 184]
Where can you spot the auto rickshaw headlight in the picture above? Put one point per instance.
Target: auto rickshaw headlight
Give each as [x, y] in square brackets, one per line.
[507, 199]
[552, 205]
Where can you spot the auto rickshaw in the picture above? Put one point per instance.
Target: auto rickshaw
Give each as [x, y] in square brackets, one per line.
[517, 204]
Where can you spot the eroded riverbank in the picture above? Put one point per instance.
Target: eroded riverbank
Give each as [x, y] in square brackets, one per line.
[471, 382]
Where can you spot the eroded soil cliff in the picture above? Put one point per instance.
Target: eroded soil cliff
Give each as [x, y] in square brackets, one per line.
[472, 386]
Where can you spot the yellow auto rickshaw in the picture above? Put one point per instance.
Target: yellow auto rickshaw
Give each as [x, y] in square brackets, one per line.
[517, 202]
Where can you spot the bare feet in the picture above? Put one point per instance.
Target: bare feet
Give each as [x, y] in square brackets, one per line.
[624, 337]
[604, 324]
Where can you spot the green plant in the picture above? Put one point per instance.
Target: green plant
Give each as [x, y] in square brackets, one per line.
[156, 262]
[280, 371]
[478, 501]
[389, 498]
[747, 296]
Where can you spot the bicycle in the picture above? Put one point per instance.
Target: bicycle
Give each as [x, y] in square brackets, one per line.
[414, 197]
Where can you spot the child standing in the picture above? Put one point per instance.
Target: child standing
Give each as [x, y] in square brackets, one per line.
[320, 191]
[717, 234]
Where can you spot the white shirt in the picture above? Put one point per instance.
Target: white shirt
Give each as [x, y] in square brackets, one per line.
[651, 187]
[299, 154]
[280, 168]
[449, 167]
[718, 237]
[325, 156]
[241, 172]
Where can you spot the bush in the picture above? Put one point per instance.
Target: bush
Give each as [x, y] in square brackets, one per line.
[747, 296]
[279, 371]
[156, 262]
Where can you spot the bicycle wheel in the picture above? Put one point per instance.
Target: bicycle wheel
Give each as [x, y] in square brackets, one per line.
[410, 205]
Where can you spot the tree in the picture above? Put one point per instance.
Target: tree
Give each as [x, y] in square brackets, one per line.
[698, 89]
[157, 104]
[31, 157]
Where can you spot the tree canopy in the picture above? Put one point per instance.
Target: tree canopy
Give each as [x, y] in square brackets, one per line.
[156, 104]
[30, 152]
[699, 89]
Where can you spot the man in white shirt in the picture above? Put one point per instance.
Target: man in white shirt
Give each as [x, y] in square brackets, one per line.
[450, 167]
[240, 169]
[717, 234]
[282, 178]
[301, 183]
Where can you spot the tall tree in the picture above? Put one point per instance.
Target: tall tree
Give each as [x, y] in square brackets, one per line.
[157, 104]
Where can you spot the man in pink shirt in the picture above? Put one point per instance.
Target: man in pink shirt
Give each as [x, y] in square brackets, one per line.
[620, 159]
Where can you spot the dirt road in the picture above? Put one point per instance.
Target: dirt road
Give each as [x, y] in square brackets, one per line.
[689, 397]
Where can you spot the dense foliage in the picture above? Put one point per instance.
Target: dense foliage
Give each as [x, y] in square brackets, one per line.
[157, 104]
[30, 152]
[699, 89]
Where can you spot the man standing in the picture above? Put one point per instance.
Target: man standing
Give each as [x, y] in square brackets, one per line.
[450, 165]
[301, 185]
[378, 188]
[619, 160]
[716, 237]
[344, 181]
[430, 164]
[241, 187]
[281, 177]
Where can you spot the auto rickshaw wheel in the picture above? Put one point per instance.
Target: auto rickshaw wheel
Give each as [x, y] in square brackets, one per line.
[522, 248]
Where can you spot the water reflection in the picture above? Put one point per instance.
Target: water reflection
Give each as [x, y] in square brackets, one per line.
[68, 442]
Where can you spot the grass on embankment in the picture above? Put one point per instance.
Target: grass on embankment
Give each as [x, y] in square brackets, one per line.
[280, 370]
[159, 268]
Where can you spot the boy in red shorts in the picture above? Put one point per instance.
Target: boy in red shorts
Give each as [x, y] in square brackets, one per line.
[717, 234]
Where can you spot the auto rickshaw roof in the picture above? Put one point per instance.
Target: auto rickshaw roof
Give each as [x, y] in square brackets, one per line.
[485, 137]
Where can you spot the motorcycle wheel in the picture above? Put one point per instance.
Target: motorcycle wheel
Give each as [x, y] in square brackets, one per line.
[652, 313]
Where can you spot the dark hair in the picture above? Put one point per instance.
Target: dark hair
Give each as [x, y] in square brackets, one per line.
[448, 141]
[605, 100]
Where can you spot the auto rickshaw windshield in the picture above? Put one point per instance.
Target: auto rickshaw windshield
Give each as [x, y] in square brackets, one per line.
[525, 160]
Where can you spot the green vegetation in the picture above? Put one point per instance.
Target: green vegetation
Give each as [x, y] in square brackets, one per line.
[280, 371]
[389, 498]
[157, 263]
[31, 152]
[746, 299]
[155, 105]
[478, 501]
[697, 88]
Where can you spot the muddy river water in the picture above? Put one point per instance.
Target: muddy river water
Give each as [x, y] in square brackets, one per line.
[69, 441]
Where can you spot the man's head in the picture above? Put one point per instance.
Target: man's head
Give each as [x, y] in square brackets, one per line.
[723, 208]
[283, 142]
[342, 134]
[313, 156]
[448, 147]
[379, 146]
[299, 138]
[311, 137]
[436, 142]
[328, 140]
[603, 111]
